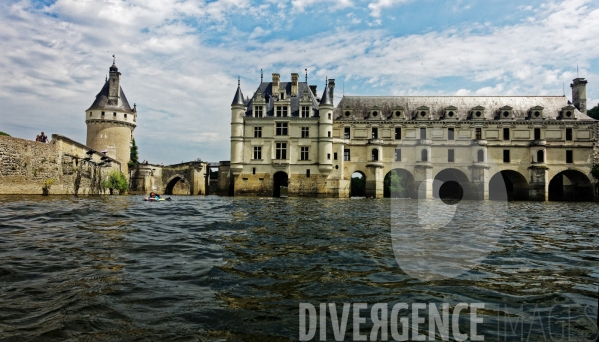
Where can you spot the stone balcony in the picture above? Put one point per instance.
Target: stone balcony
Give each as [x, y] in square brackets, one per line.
[374, 163]
[425, 142]
[538, 143]
[375, 141]
[280, 163]
[480, 142]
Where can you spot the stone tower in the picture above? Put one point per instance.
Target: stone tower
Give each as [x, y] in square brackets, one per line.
[325, 130]
[579, 94]
[237, 114]
[111, 121]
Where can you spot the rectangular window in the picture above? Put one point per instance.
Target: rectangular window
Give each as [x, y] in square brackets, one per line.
[258, 152]
[398, 154]
[451, 133]
[113, 113]
[102, 113]
[305, 132]
[304, 153]
[479, 133]
[422, 133]
[537, 134]
[329, 134]
[346, 155]
[125, 116]
[281, 128]
[450, 156]
[328, 156]
[305, 111]
[334, 155]
[506, 134]
[281, 111]
[253, 170]
[281, 151]
[346, 132]
[375, 133]
[308, 173]
[259, 111]
[506, 156]
[257, 132]
[568, 134]
[90, 113]
[397, 133]
[569, 157]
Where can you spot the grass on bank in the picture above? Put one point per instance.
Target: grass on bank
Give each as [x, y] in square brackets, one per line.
[5, 134]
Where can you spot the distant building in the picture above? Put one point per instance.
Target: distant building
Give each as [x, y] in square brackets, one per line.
[522, 147]
[111, 120]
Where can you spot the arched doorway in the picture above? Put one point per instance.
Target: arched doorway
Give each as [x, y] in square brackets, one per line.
[399, 183]
[508, 185]
[177, 185]
[357, 184]
[280, 183]
[570, 185]
[451, 184]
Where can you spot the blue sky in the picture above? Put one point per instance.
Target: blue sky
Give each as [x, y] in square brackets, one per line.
[180, 59]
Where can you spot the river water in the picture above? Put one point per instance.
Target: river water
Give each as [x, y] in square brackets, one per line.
[236, 269]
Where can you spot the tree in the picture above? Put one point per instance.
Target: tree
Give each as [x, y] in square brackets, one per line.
[4, 134]
[133, 155]
[594, 112]
[116, 181]
[394, 186]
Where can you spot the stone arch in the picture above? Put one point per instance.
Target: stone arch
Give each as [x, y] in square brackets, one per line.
[570, 185]
[508, 185]
[177, 185]
[452, 184]
[280, 184]
[357, 188]
[406, 182]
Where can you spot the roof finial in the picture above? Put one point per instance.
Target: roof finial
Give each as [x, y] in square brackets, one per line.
[306, 76]
[113, 59]
[238, 81]
[261, 76]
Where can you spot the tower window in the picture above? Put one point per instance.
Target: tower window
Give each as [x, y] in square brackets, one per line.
[328, 156]
[304, 155]
[114, 114]
[102, 113]
[397, 133]
[125, 116]
[451, 133]
[329, 116]
[258, 152]
[329, 134]
[257, 132]
[90, 113]
[375, 154]
[569, 157]
[281, 151]
[305, 132]
[334, 155]
[506, 156]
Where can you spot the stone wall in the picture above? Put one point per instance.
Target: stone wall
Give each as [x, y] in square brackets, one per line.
[179, 179]
[72, 168]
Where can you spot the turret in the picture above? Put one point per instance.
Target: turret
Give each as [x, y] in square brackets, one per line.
[237, 114]
[579, 94]
[114, 85]
[325, 131]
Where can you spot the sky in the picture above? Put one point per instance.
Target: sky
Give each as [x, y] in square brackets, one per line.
[180, 60]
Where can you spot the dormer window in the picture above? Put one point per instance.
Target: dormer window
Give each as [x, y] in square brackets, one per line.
[375, 113]
[305, 111]
[397, 113]
[281, 111]
[282, 96]
[422, 113]
[450, 113]
[505, 113]
[347, 113]
[567, 113]
[536, 113]
[477, 113]
[258, 110]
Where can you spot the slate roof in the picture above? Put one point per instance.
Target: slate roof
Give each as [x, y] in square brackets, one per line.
[326, 97]
[101, 101]
[238, 99]
[521, 105]
[266, 90]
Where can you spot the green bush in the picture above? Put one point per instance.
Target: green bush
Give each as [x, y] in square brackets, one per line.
[595, 171]
[5, 134]
[116, 181]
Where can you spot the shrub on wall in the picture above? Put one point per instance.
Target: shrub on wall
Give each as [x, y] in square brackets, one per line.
[116, 181]
[4, 134]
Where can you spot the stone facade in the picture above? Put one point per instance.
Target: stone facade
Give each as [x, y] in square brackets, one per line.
[179, 179]
[26, 165]
[533, 147]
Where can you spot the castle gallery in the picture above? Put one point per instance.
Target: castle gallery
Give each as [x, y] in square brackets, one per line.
[285, 139]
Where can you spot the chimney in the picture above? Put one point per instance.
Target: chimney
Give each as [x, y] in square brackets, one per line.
[114, 85]
[332, 88]
[579, 94]
[294, 86]
[313, 89]
[275, 84]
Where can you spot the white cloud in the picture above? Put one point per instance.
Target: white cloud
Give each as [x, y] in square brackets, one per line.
[377, 6]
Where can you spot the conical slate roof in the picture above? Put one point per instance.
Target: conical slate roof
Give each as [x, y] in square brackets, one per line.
[326, 97]
[101, 102]
[238, 99]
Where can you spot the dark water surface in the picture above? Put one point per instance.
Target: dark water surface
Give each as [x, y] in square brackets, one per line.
[235, 269]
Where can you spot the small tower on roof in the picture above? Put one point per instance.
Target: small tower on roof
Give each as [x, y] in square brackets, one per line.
[237, 114]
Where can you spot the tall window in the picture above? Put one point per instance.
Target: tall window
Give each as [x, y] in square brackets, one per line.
[506, 134]
[334, 155]
[375, 154]
[537, 134]
[506, 156]
[346, 132]
[450, 156]
[103, 114]
[569, 157]
[305, 111]
[259, 111]
[451, 133]
[281, 111]
[540, 156]
[304, 153]
[480, 156]
[307, 173]
[281, 128]
[424, 155]
[422, 133]
[305, 132]
[257, 152]
[346, 155]
[479, 133]
[397, 133]
[569, 134]
[257, 132]
[375, 132]
[281, 151]
[398, 154]
[329, 134]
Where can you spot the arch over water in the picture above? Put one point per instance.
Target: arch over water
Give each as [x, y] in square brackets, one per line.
[280, 179]
[454, 185]
[357, 184]
[177, 185]
[570, 185]
[404, 179]
[508, 185]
